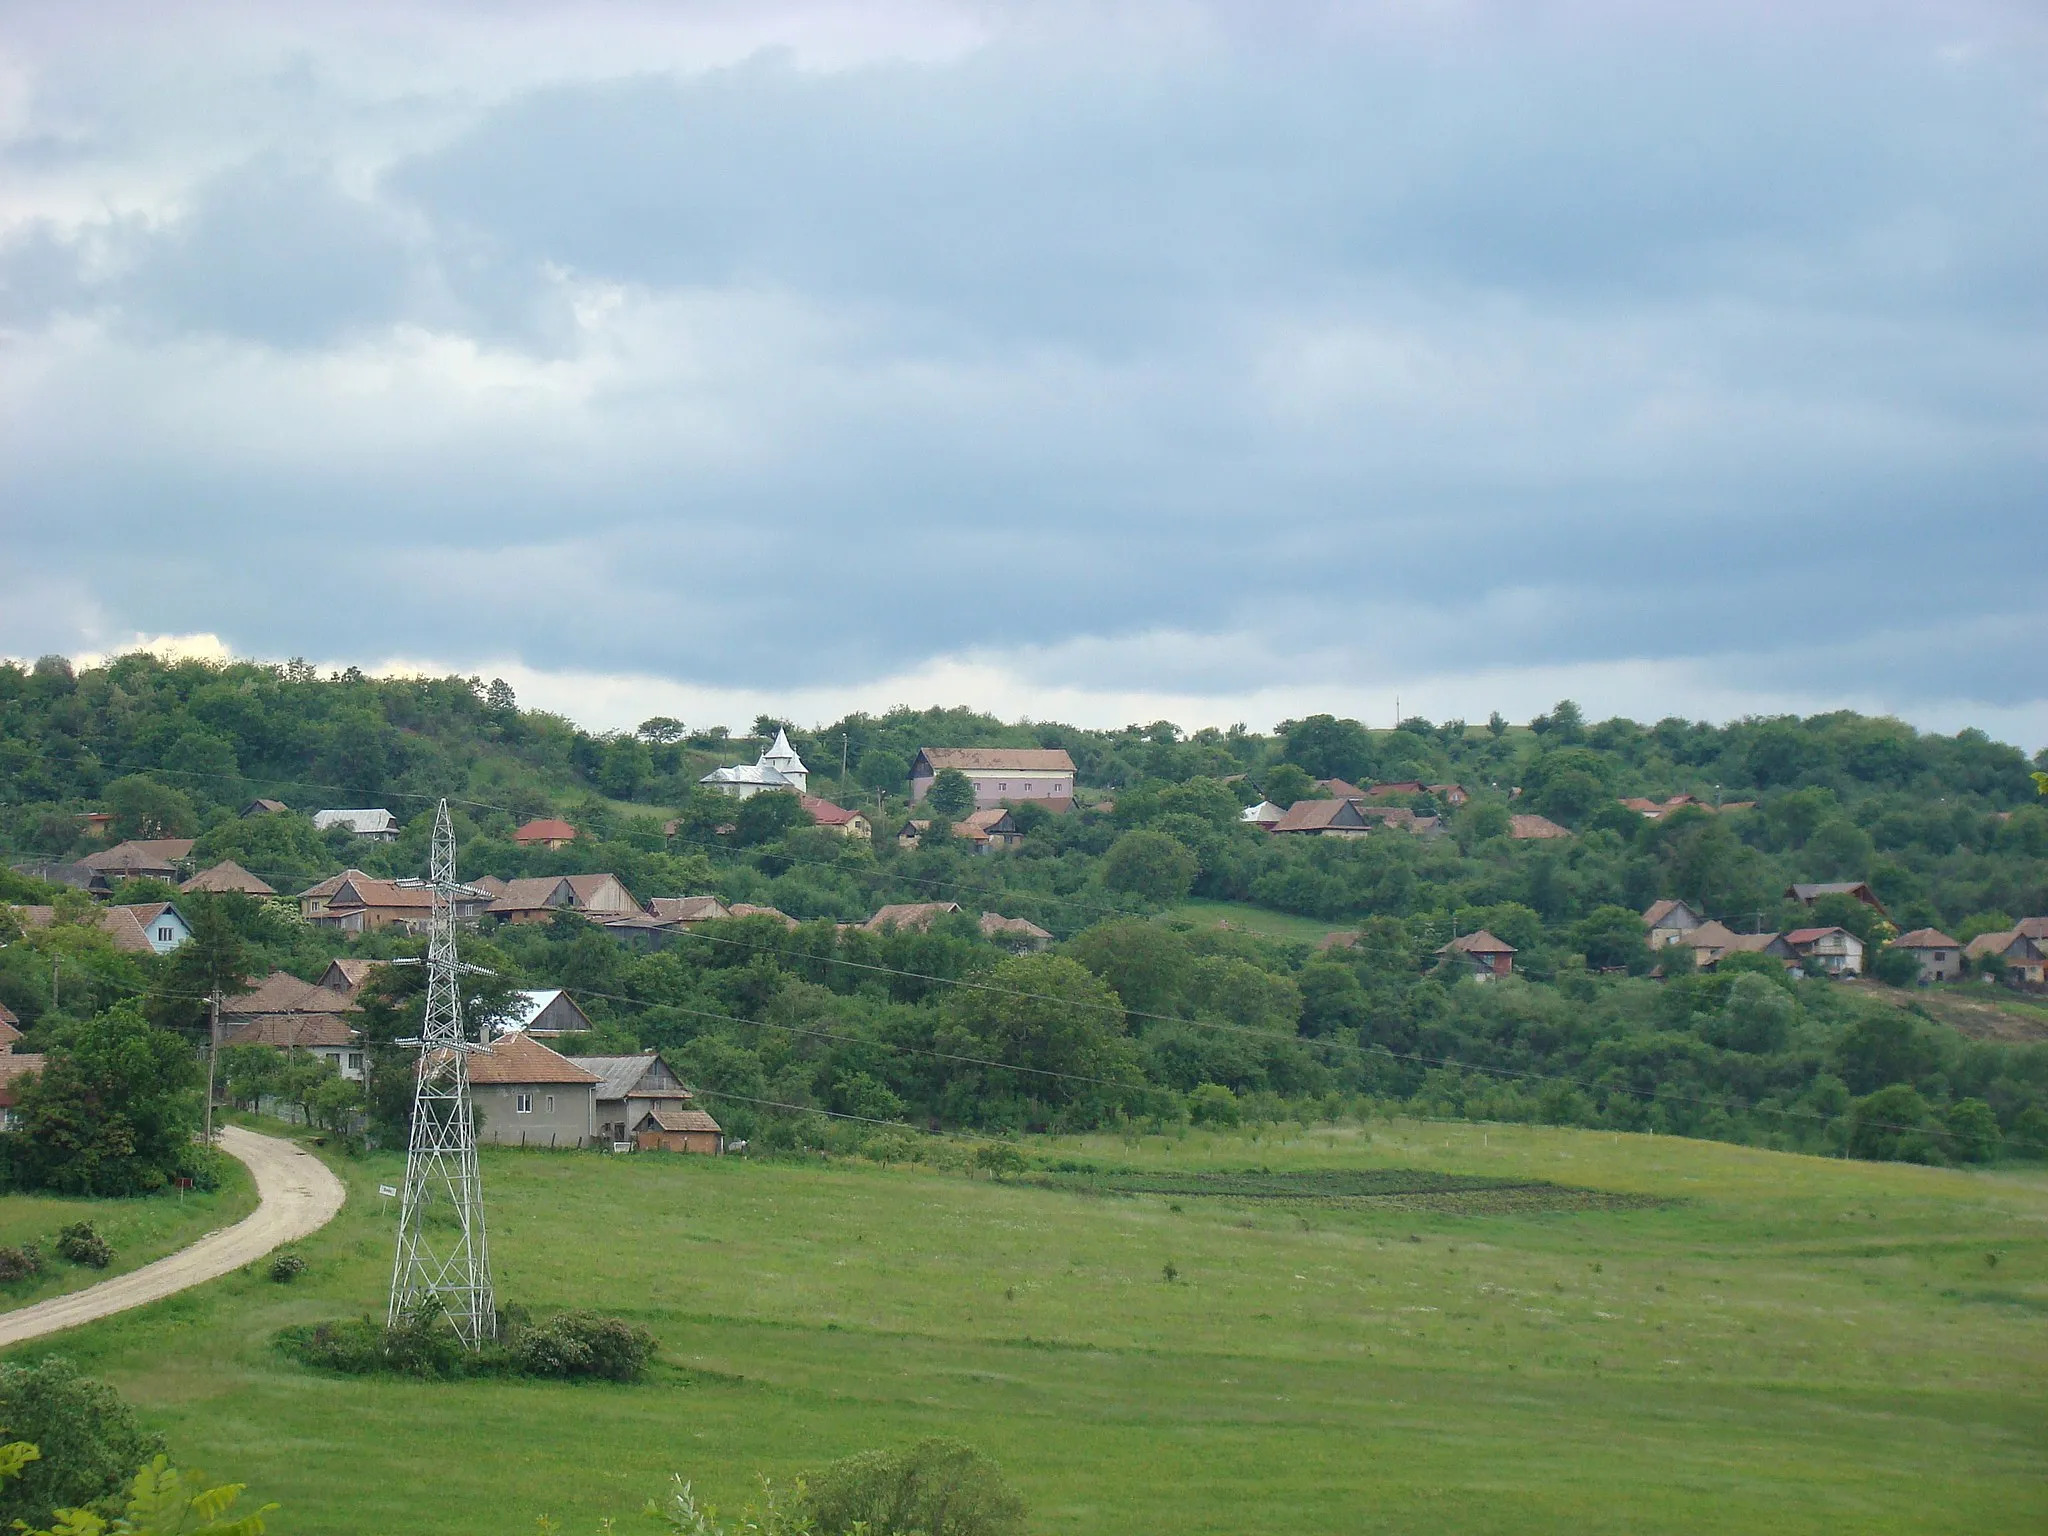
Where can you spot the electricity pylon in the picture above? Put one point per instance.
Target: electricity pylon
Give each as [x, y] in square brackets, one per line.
[443, 1253]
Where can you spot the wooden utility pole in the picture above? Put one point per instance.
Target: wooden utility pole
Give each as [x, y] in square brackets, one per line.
[56, 970]
[212, 1055]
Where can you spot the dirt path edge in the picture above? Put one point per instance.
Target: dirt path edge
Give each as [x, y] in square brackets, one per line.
[296, 1196]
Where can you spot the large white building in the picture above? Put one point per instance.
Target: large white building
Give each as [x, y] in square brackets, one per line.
[778, 768]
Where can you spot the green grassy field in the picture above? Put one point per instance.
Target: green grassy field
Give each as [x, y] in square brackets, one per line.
[1246, 918]
[141, 1231]
[1777, 1344]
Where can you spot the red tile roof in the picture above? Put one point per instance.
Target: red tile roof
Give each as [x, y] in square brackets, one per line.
[1321, 816]
[910, 916]
[1925, 938]
[998, 759]
[548, 829]
[227, 875]
[825, 813]
[1480, 943]
[519, 1058]
[1525, 827]
[13, 1068]
[681, 1120]
[292, 1031]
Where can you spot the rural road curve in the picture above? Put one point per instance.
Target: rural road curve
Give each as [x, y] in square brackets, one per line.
[296, 1196]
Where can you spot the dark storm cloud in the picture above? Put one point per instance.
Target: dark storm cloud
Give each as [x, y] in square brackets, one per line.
[1453, 348]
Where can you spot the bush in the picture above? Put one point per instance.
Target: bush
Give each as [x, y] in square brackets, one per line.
[1212, 1104]
[286, 1267]
[572, 1344]
[20, 1263]
[1893, 1125]
[81, 1245]
[937, 1487]
[1895, 967]
[90, 1442]
[582, 1344]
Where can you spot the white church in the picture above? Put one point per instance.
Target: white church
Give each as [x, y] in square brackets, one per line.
[779, 768]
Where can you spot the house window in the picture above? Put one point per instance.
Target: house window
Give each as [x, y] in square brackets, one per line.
[355, 1061]
[551, 1103]
[163, 935]
[523, 1103]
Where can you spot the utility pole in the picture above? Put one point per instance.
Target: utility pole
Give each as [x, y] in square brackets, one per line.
[445, 1259]
[842, 762]
[212, 1055]
[56, 970]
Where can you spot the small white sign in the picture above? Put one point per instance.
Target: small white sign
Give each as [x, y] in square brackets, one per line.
[386, 1189]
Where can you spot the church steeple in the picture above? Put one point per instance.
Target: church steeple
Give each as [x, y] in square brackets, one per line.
[781, 756]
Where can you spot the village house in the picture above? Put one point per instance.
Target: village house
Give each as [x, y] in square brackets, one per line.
[151, 858]
[982, 830]
[545, 1013]
[227, 876]
[1015, 774]
[13, 1068]
[629, 1088]
[747, 909]
[837, 818]
[1712, 941]
[151, 928]
[686, 911]
[1657, 810]
[1400, 818]
[1940, 957]
[1669, 921]
[354, 902]
[97, 825]
[548, 832]
[2025, 958]
[347, 976]
[1452, 795]
[910, 916]
[1488, 958]
[528, 1096]
[1013, 932]
[262, 807]
[1807, 893]
[537, 899]
[378, 826]
[777, 768]
[1265, 815]
[679, 1130]
[1324, 818]
[1528, 827]
[288, 1014]
[1832, 952]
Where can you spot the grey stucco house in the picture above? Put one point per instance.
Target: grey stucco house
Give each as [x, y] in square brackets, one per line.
[529, 1096]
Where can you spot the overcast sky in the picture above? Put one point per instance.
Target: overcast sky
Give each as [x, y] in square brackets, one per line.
[1099, 362]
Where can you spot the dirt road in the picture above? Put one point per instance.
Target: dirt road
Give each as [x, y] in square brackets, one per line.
[297, 1196]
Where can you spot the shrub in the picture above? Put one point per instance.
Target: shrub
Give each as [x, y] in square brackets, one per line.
[1212, 1104]
[1895, 967]
[286, 1267]
[20, 1263]
[81, 1245]
[937, 1487]
[90, 1442]
[582, 1344]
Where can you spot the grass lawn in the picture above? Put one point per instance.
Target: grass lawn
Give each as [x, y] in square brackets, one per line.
[1784, 1344]
[1204, 913]
[141, 1231]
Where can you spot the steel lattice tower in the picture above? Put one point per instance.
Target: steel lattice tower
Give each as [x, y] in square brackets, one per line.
[442, 1250]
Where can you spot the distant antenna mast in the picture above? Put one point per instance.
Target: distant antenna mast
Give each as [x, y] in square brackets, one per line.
[442, 1251]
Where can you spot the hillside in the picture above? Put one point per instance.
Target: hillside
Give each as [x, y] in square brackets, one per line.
[1758, 1342]
[1145, 1000]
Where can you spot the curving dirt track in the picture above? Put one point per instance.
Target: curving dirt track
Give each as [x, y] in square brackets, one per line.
[296, 1196]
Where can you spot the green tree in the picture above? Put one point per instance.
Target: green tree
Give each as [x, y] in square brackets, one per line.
[1150, 864]
[951, 794]
[111, 1113]
[1329, 748]
[1289, 782]
[142, 807]
[1146, 964]
[1611, 937]
[1048, 1013]
[214, 958]
[765, 817]
[1880, 1047]
[89, 1440]
[627, 765]
[1893, 967]
[1333, 1001]
[1893, 1124]
[1757, 1018]
[1972, 1131]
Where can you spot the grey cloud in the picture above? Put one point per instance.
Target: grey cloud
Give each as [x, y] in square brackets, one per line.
[1665, 350]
